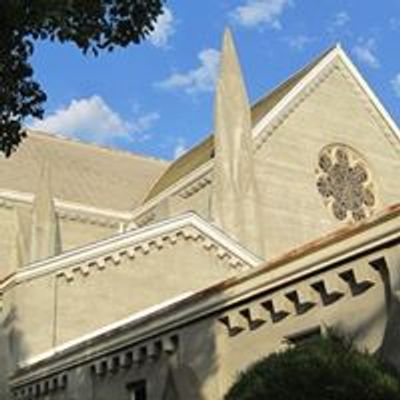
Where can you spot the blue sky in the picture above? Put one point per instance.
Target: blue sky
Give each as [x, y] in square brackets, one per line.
[157, 98]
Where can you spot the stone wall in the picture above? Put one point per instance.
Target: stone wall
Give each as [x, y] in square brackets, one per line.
[207, 342]
[333, 110]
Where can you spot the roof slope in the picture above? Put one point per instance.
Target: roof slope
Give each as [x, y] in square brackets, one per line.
[188, 162]
[204, 151]
[81, 173]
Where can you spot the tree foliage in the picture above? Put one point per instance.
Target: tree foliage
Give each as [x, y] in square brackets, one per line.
[327, 368]
[92, 25]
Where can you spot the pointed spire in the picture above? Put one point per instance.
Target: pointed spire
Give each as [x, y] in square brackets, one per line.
[232, 109]
[45, 236]
[234, 198]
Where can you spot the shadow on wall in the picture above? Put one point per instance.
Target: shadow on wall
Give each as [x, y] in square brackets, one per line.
[194, 375]
[196, 372]
[389, 312]
[184, 368]
[12, 348]
[390, 348]
[199, 376]
[192, 371]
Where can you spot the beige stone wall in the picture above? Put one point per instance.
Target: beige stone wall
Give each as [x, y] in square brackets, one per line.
[211, 353]
[90, 302]
[362, 316]
[35, 319]
[196, 200]
[76, 233]
[201, 352]
[115, 386]
[293, 210]
[7, 233]
[194, 197]
[8, 341]
[217, 357]
[51, 310]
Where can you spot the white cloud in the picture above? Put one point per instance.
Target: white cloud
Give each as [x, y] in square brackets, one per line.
[260, 12]
[200, 79]
[92, 119]
[396, 84]
[341, 19]
[144, 122]
[164, 29]
[365, 50]
[299, 42]
[180, 148]
[340, 24]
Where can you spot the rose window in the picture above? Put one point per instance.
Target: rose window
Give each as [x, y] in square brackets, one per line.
[344, 182]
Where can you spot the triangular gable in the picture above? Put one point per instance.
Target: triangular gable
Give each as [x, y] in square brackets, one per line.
[318, 71]
[143, 239]
[125, 274]
[330, 112]
[267, 110]
[204, 151]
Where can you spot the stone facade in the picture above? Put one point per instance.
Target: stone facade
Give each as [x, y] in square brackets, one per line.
[282, 224]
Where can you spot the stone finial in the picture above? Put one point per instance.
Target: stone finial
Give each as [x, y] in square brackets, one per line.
[234, 194]
[45, 235]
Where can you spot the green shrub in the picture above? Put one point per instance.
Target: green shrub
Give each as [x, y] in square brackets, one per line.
[324, 369]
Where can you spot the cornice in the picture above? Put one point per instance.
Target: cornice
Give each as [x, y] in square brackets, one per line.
[54, 384]
[89, 219]
[145, 219]
[140, 242]
[6, 203]
[291, 102]
[369, 93]
[195, 187]
[147, 349]
[377, 115]
[323, 278]
[105, 331]
[185, 188]
[282, 110]
[327, 288]
[179, 186]
[68, 210]
[137, 355]
[158, 242]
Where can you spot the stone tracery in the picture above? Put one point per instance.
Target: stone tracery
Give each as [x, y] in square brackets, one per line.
[344, 182]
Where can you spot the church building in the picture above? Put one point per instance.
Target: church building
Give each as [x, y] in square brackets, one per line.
[126, 277]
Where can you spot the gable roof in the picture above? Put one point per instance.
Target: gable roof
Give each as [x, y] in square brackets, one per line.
[204, 151]
[81, 173]
[185, 164]
[188, 224]
[264, 110]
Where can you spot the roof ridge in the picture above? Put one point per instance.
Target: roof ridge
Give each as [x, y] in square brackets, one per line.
[165, 180]
[57, 136]
[309, 65]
